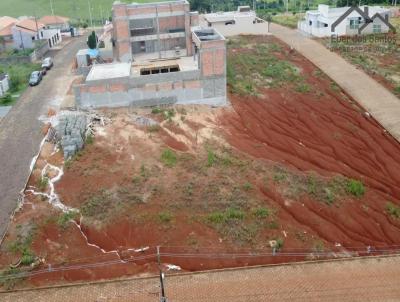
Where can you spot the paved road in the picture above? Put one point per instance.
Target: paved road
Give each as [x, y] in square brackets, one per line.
[368, 279]
[20, 130]
[376, 99]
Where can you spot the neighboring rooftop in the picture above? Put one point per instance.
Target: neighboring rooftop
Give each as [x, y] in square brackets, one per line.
[229, 16]
[109, 71]
[7, 21]
[29, 25]
[47, 20]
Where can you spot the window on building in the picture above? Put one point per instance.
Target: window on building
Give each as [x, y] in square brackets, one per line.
[354, 23]
[161, 69]
[310, 23]
[41, 34]
[376, 28]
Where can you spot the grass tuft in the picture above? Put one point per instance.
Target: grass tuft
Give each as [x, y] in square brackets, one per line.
[168, 157]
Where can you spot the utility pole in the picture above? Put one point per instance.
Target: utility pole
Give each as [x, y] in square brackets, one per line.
[51, 7]
[90, 14]
[163, 297]
[101, 13]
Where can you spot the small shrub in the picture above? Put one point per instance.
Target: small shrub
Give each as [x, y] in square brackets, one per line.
[165, 217]
[261, 212]
[216, 217]
[247, 186]
[355, 187]
[233, 213]
[156, 110]
[168, 157]
[393, 210]
[28, 257]
[211, 158]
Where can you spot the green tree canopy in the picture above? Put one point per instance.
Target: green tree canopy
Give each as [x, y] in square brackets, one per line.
[92, 40]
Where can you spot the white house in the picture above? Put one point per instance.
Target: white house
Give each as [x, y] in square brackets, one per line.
[25, 32]
[243, 21]
[4, 84]
[346, 21]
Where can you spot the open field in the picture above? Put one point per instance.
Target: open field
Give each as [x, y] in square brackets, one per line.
[75, 9]
[378, 57]
[294, 163]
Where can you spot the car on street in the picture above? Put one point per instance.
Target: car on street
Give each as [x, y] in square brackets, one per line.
[47, 63]
[35, 78]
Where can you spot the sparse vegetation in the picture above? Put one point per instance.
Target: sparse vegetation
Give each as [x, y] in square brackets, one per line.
[260, 67]
[165, 217]
[261, 212]
[23, 242]
[65, 218]
[393, 210]
[42, 183]
[168, 157]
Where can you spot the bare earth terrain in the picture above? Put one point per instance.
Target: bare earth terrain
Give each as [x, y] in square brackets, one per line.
[293, 164]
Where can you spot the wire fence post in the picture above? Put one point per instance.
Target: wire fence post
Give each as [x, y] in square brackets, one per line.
[163, 298]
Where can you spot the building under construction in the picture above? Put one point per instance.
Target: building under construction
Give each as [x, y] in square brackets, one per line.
[161, 56]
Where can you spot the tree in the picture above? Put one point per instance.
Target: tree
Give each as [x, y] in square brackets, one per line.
[92, 40]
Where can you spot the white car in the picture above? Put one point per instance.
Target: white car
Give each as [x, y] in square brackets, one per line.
[47, 63]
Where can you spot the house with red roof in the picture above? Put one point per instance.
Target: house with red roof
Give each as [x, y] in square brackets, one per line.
[56, 22]
[6, 37]
[28, 31]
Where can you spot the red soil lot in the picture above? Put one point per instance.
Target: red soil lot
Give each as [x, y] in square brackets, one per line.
[322, 131]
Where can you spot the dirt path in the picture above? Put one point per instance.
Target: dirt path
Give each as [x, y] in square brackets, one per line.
[365, 279]
[20, 133]
[377, 100]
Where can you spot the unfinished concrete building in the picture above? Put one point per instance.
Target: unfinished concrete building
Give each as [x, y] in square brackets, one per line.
[161, 56]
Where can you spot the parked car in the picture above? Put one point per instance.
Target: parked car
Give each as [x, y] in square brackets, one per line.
[35, 78]
[47, 63]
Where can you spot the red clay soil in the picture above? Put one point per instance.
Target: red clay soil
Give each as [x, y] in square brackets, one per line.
[331, 135]
[321, 131]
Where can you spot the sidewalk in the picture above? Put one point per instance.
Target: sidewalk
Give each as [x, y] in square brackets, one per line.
[376, 99]
[345, 280]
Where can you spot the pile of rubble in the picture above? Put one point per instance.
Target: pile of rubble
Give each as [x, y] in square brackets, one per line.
[71, 132]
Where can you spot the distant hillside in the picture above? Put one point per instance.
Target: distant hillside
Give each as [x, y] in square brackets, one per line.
[75, 9]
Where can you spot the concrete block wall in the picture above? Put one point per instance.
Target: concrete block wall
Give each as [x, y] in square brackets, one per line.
[179, 87]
